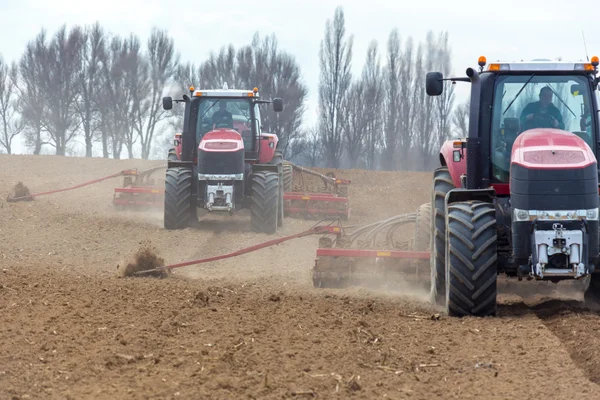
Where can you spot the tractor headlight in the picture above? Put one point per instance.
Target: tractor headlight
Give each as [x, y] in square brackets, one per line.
[592, 214]
[521, 215]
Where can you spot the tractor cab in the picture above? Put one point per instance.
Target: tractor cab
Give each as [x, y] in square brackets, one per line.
[514, 97]
[211, 114]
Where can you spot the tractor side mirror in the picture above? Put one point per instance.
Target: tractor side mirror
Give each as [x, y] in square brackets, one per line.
[277, 104]
[576, 90]
[167, 102]
[434, 83]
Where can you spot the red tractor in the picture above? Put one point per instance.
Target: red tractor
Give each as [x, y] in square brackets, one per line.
[519, 195]
[223, 162]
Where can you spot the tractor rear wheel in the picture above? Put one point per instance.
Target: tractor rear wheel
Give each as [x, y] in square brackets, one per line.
[442, 184]
[264, 209]
[288, 176]
[422, 242]
[423, 228]
[591, 295]
[179, 208]
[172, 154]
[471, 259]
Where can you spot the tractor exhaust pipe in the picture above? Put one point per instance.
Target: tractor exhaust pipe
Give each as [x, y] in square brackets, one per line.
[474, 178]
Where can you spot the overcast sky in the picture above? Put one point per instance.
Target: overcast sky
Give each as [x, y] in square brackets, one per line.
[523, 29]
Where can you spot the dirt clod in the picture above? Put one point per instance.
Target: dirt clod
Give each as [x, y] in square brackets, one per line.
[146, 259]
[19, 192]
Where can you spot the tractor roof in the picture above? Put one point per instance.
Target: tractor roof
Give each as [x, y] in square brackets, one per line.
[225, 92]
[541, 65]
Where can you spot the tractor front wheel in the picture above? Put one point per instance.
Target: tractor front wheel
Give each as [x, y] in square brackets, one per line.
[179, 208]
[471, 257]
[264, 209]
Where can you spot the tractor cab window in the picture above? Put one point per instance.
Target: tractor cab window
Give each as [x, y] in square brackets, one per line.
[232, 113]
[523, 102]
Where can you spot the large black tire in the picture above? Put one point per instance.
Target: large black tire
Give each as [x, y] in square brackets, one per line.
[280, 216]
[179, 207]
[591, 294]
[172, 156]
[422, 242]
[423, 228]
[277, 157]
[264, 209]
[442, 184]
[288, 176]
[471, 259]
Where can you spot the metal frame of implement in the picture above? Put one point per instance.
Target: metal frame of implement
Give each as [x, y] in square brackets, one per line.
[333, 201]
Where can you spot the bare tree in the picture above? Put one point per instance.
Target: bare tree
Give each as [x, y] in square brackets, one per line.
[408, 116]
[92, 51]
[460, 120]
[162, 64]
[114, 98]
[373, 98]
[392, 101]
[136, 77]
[356, 124]
[60, 85]
[278, 75]
[335, 58]
[442, 56]
[310, 147]
[11, 124]
[30, 88]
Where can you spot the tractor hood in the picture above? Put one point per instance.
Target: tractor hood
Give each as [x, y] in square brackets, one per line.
[221, 139]
[546, 148]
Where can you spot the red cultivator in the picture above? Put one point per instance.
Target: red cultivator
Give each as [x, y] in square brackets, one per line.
[372, 255]
[139, 190]
[302, 198]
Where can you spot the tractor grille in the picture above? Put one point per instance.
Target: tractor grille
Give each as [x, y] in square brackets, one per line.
[221, 162]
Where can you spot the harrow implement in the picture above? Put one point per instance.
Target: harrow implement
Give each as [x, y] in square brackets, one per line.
[372, 255]
[302, 199]
[139, 190]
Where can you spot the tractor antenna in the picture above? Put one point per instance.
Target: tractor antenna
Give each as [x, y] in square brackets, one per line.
[585, 46]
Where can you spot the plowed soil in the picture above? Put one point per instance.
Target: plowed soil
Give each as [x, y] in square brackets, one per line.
[253, 326]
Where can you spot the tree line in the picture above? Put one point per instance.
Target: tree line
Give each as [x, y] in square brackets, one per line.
[86, 89]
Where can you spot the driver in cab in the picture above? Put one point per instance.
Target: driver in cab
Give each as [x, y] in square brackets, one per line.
[222, 117]
[542, 113]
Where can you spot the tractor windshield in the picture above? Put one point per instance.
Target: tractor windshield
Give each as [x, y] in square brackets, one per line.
[523, 102]
[232, 113]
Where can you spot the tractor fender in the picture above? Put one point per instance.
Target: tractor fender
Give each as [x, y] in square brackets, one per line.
[456, 195]
[456, 169]
[267, 147]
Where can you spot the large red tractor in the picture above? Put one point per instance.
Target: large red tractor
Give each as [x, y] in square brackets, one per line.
[519, 195]
[223, 162]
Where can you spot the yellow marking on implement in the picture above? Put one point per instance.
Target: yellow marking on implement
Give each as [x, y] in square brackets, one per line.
[305, 197]
[383, 254]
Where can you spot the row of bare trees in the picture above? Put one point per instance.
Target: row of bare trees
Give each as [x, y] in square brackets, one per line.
[84, 86]
[381, 119]
[87, 91]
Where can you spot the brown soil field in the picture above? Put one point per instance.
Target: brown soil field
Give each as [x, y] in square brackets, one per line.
[251, 327]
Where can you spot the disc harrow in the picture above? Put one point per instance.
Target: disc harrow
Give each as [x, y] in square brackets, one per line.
[139, 190]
